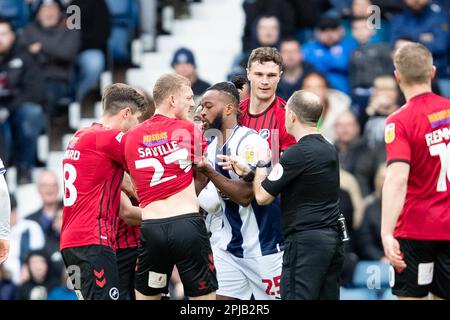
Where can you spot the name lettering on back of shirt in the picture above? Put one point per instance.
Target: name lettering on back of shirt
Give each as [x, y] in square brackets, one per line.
[438, 119]
[160, 150]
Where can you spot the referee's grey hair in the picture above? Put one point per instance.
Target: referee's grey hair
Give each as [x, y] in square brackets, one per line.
[306, 106]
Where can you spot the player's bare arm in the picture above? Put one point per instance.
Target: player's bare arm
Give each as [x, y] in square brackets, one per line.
[132, 215]
[261, 195]
[238, 191]
[393, 199]
[200, 181]
[128, 186]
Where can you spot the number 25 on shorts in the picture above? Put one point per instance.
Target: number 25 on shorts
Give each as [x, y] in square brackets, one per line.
[272, 283]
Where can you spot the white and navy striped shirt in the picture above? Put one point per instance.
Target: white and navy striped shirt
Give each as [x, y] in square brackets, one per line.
[2, 167]
[251, 231]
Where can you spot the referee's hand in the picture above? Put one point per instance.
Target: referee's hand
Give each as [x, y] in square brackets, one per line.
[393, 253]
[4, 250]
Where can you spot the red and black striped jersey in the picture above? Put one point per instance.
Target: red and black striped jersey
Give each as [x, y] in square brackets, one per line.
[127, 236]
[93, 172]
[269, 124]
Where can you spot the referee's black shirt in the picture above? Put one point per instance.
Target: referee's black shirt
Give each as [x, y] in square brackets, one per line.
[308, 179]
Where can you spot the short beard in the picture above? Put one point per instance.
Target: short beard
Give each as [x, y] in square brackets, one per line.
[217, 123]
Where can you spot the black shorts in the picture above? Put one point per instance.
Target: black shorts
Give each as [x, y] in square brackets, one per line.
[126, 262]
[312, 265]
[427, 269]
[93, 271]
[181, 241]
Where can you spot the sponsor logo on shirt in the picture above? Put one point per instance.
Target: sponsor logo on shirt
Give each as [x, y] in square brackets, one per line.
[389, 133]
[155, 139]
[73, 142]
[250, 154]
[439, 118]
[119, 137]
[264, 133]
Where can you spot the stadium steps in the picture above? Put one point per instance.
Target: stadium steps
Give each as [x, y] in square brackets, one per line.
[213, 33]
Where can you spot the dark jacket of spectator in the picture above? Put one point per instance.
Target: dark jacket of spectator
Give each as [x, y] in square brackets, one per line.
[286, 89]
[7, 287]
[367, 166]
[368, 62]
[20, 79]
[95, 24]
[352, 155]
[370, 245]
[34, 289]
[308, 12]
[430, 26]
[60, 47]
[44, 222]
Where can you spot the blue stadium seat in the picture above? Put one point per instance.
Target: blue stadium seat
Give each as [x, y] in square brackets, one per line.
[125, 21]
[17, 11]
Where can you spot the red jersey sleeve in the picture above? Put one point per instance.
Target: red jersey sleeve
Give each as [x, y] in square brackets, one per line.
[398, 147]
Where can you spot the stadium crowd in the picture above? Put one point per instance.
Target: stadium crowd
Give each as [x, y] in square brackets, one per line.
[339, 50]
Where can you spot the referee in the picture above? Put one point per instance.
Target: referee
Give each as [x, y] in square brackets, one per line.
[307, 178]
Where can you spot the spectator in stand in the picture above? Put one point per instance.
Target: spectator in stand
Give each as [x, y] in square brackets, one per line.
[148, 19]
[25, 237]
[294, 68]
[47, 185]
[367, 62]
[330, 53]
[255, 9]
[334, 102]
[21, 116]
[424, 22]
[95, 31]
[7, 287]
[267, 34]
[55, 47]
[382, 103]
[64, 291]
[183, 63]
[361, 9]
[52, 243]
[351, 206]
[348, 142]
[40, 280]
[358, 8]
[306, 14]
[370, 246]
[355, 156]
